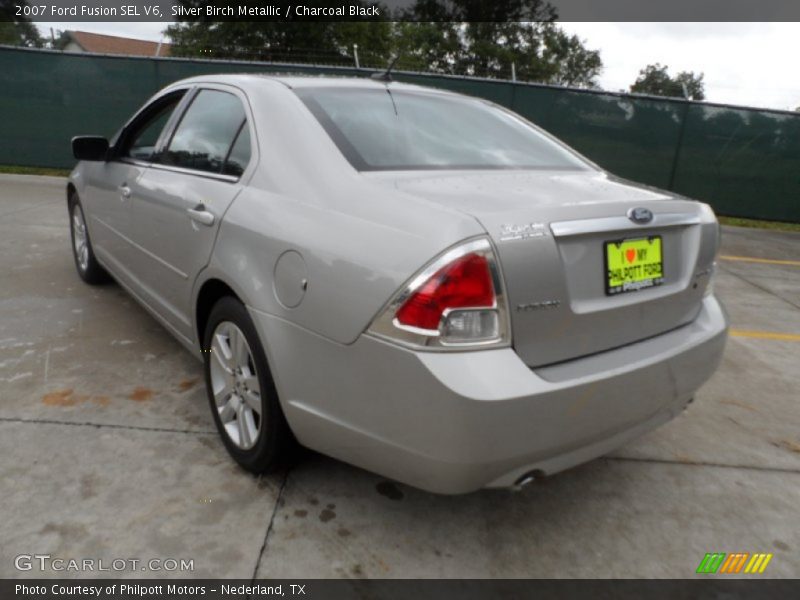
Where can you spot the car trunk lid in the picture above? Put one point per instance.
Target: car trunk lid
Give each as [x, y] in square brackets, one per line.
[550, 230]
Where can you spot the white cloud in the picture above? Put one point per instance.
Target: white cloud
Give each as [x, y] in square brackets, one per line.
[743, 63]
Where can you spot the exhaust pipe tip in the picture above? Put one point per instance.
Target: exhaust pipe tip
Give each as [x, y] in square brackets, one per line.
[527, 478]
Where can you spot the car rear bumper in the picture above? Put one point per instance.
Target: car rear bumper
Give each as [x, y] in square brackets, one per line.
[457, 422]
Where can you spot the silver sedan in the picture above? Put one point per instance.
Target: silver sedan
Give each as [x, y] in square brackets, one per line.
[413, 281]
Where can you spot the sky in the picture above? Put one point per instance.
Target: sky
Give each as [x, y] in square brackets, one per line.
[743, 63]
[749, 64]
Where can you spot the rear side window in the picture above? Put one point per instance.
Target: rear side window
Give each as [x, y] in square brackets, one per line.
[240, 153]
[206, 134]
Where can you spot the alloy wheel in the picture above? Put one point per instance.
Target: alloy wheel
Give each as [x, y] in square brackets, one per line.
[235, 385]
[80, 240]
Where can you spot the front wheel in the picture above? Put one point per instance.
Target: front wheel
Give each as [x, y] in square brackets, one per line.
[85, 262]
[241, 391]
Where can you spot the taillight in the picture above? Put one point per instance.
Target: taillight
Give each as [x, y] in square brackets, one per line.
[456, 301]
[465, 282]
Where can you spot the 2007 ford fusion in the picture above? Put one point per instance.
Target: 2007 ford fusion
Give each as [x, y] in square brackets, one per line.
[412, 281]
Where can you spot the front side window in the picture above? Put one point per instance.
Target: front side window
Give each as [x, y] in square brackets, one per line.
[140, 141]
[384, 129]
[206, 133]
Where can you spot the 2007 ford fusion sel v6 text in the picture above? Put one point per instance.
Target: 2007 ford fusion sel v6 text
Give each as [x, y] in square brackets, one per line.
[412, 281]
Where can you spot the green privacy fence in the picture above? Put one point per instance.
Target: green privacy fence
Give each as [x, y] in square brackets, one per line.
[745, 162]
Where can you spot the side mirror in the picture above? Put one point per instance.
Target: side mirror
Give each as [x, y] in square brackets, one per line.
[90, 147]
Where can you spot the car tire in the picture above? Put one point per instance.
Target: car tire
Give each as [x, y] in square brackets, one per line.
[85, 262]
[241, 391]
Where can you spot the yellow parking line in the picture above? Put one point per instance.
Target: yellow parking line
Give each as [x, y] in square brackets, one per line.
[766, 261]
[765, 335]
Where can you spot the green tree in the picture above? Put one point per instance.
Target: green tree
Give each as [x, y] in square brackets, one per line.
[432, 46]
[655, 80]
[17, 31]
[453, 37]
[540, 51]
[302, 41]
[320, 41]
[485, 38]
[555, 57]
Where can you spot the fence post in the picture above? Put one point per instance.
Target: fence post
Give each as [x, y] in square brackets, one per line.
[676, 157]
[513, 71]
[355, 55]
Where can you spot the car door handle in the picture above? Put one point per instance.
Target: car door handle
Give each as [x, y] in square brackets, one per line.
[125, 191]
[201, 215]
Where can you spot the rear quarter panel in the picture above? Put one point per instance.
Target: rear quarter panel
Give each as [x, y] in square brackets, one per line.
[353, 265]
[360, 241]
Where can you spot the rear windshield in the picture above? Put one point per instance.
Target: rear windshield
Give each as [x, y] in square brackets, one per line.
[385, 129]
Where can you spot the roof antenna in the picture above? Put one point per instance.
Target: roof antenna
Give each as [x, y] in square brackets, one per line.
[386, 76]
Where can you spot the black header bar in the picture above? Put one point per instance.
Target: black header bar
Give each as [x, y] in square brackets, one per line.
[401, 10]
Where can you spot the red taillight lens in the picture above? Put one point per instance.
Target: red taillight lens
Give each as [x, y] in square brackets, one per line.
[464, 283]
[456, 301]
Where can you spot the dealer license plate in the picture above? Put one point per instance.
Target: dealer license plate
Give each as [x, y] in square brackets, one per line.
[633, 264]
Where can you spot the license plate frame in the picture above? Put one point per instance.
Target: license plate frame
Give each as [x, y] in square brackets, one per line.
[639, 273]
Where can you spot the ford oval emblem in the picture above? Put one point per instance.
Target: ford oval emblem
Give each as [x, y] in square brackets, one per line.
[640, 215]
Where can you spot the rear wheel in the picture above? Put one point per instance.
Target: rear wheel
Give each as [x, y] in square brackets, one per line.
[241, 391]
[85, 262]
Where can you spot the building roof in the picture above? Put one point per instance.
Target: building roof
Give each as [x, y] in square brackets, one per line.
[111, 44]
